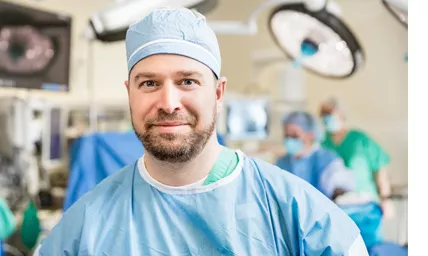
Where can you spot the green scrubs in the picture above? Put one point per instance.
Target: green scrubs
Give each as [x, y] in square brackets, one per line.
[7, 221]
[224, 166]
[363, 156]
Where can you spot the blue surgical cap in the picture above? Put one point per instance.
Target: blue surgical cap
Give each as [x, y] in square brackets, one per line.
[306, 121]
[173, 31]
[300, 118]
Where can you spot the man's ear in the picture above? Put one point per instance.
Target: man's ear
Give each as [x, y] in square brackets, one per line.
[220, 90]
[221, 87]
[126, 83]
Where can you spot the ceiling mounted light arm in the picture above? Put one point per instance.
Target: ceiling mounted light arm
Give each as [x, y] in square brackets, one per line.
[250, 27]
[111, 23]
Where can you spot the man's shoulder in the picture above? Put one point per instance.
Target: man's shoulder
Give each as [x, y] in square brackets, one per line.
[265, 168]
[269, 171]
[288, 187]
[275, 176]
[108, 187]
[88, 212]
[295, 194]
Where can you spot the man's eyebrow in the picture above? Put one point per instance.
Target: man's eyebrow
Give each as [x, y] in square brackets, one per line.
[148, 75]
[189, 73]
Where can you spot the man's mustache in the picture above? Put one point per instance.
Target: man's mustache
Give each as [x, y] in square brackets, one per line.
[174, 117]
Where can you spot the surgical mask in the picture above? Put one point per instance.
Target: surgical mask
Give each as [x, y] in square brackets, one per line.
[332, 123]
[293, 146]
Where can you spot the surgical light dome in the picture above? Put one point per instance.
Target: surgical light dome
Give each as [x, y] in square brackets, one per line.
[319, 40]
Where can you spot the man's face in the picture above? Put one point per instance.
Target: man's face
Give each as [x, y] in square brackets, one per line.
[174, 102]
[333, 119]
[297, 132]
[328, 110]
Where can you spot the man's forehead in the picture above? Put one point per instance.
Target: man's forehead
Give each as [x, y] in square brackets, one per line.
[178, 73]
[165, 64]
[293, 127]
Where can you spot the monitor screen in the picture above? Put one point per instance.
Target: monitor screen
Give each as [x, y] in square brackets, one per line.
[34, 48]
[247, 120]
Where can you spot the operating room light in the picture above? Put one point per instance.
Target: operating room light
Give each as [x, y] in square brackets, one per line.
[320, 41]
[299, 26]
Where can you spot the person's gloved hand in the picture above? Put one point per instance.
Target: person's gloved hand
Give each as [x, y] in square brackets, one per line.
[388, 209]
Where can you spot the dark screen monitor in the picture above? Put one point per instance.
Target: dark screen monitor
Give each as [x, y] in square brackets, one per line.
[34, 48]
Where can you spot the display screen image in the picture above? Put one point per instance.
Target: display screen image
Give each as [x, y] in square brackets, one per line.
[247, 120]
[34, 48]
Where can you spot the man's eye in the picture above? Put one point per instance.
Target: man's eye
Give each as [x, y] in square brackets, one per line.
[148, 84]
[188, 82]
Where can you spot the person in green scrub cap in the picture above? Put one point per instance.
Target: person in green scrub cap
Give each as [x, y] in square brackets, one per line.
[361, 154]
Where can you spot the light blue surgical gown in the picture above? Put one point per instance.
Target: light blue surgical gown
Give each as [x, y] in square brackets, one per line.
[257, 210]
[322, 168]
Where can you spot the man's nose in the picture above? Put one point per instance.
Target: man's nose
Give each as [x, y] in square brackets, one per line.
[170, 98]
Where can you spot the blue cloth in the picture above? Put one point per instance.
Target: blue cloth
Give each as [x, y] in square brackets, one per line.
[388, 249]
[368, 218]
[1, 249]
[220, 139]
[322, 168]
[257, 210]
[96, 156]
[173, 31]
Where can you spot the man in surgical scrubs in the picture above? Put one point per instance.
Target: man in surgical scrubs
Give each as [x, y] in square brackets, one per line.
[305, 158]
[187, 195]
[361, 154]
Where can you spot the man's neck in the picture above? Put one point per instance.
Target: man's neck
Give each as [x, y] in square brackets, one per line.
[182, 174]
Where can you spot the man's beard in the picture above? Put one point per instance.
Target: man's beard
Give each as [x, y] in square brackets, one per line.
[163, 146]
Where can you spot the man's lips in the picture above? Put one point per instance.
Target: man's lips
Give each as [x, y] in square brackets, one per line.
[170, 123]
